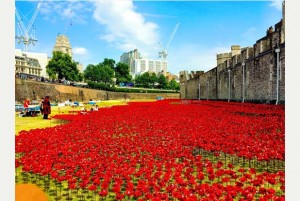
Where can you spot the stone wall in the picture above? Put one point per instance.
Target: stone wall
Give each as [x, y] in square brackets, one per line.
[225, 81]
[36, 90]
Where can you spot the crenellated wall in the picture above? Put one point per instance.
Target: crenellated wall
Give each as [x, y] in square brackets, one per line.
[225, 81]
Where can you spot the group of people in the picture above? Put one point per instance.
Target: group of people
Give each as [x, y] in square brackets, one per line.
[83, 110]
[45, 106]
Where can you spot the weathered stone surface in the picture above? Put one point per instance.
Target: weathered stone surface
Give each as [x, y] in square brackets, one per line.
[260, 74]
[36, 90]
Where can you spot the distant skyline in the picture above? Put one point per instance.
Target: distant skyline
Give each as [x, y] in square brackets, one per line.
[106, 29]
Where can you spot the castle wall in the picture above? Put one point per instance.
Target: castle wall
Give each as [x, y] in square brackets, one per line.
[260, 79]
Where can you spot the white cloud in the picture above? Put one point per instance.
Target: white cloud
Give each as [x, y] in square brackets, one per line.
[75, 11]
[125, 28]
[277, 4]
[79, 51]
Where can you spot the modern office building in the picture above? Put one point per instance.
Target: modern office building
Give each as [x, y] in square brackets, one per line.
[139, 65]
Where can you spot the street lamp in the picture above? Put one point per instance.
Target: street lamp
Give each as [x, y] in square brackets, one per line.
[277, 50]
[199, 90]
[243, 65]
[207, 89]
[228, 85]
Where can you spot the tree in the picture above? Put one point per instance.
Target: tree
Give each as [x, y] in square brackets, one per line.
[109, 62]
[122, 73]
[143, 79]
[80, 77]
[146, 79]
[63, 66]
[162, 81]
[153, 79]
[173, 85]
[99, 73]
[92, 73]
[106, 73]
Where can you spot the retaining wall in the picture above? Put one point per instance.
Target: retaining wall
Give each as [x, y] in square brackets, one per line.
[36, 90]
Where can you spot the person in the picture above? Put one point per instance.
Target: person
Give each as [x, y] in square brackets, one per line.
[26, 103]
[96, 108]
[83, 110]
[46, 107]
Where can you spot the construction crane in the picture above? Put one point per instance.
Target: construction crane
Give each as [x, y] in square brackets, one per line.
[163, 53]
[68, 23]
[23, 32]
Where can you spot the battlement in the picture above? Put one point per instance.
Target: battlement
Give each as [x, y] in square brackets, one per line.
[223, 56]
[235, 47]
[235, 50]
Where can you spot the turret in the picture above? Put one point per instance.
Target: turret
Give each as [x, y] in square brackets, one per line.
[235, 49]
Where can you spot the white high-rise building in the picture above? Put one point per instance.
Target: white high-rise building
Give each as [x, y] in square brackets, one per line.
[139, 65]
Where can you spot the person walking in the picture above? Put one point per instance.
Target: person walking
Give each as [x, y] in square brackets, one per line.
[46, 107]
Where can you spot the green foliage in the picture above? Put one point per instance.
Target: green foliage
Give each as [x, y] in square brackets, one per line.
[142, 90]
[150, 80]
[101, 86]
[146, 79]
[106, 74]
[102, 72]
[173, 85]
[162, 81]
[80, 77]
[109, 62]
[91, 73]
[62, 65]
[122, 73]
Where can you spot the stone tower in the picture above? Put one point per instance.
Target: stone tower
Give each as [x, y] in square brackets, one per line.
[235, 50]
[221, 58]
[62, 44]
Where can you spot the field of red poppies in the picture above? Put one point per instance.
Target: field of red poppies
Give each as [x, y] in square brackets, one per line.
[163, 150]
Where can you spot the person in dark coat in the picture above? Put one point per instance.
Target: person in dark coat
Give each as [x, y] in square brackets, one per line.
[46, 107]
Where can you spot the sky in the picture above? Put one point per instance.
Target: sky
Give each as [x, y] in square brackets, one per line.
[106, 29]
